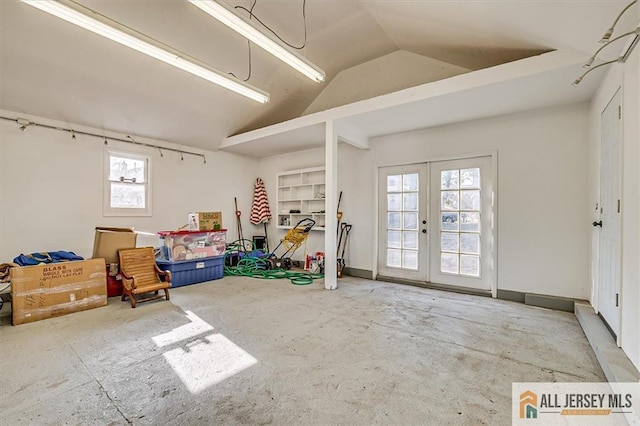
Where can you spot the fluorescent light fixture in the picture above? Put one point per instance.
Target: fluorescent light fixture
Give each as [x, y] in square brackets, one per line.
[227, 16]
[90, 20]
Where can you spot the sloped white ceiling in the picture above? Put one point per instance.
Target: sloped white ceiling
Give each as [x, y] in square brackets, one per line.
[389, 73]
[53, 69]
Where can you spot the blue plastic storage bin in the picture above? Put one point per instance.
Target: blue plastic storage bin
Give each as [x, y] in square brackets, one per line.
[187, 272]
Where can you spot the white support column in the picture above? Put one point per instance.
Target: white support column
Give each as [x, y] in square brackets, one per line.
[331, 207]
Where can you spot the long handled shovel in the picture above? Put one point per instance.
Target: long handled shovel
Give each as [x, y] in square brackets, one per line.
[345, 228]
[240, 236]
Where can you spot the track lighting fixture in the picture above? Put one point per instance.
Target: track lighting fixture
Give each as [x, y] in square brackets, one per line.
[607, 35]
[595, 55]
[607, 40]
[579, 79]
[23, 123]
[88, 19]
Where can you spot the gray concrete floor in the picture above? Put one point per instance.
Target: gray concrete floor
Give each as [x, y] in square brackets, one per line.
[244, 351]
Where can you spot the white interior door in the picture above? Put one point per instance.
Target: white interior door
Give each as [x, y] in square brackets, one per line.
[402, 241]
[610, 189]
[462, 234]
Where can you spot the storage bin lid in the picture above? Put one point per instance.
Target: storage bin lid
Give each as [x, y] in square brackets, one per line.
[185, 232]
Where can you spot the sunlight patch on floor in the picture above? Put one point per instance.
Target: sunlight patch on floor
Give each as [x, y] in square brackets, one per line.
[184, 332]
[205, 361]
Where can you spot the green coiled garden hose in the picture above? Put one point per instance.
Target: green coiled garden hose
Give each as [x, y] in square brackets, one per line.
[256, 267]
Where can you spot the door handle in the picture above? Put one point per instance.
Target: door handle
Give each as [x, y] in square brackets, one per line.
[597, 224]
[424, 231]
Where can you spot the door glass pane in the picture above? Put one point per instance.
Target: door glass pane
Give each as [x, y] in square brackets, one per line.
[403, 223]
[394, 202]
[449, 179]
[410, 220]
[410, 259]
[393, 258]
[449, 221]
[393, 239]
[410, 182]
[449, 200]
[393, 220]
[449, 263]
[470, 265]
[460, 204]
[394, 183]
[470, 178]
[449, 241]
[470, 200]
[410, 240]
[410, 201]
[470, 243]
[470, 221]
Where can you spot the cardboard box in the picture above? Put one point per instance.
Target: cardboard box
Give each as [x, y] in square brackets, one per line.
[108, 240]
[54, 289]
[205, 221]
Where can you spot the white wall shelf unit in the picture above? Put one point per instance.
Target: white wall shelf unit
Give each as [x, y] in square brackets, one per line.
[301, 191]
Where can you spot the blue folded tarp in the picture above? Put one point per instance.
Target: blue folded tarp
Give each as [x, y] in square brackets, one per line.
[46, 257]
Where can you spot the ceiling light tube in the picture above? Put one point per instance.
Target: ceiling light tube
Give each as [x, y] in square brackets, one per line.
[227, 16]
[88, 19]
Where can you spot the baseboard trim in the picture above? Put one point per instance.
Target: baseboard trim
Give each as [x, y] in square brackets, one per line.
[360, 273]
[513, 296]
[540, 300]
[463, 290]
[550, 302]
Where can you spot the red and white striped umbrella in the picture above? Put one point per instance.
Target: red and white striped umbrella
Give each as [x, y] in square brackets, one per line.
[260, 212]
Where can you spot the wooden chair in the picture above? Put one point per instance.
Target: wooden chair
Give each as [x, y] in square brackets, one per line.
[140, 274]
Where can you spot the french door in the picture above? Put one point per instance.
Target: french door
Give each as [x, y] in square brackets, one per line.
[462, 223]
[403, 210]
[436, 223]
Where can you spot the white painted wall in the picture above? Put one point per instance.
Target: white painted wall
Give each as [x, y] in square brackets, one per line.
[268, 168]
[355, 180]
[542, 220]
[51, 189]
[626, 76]
[543, 216]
